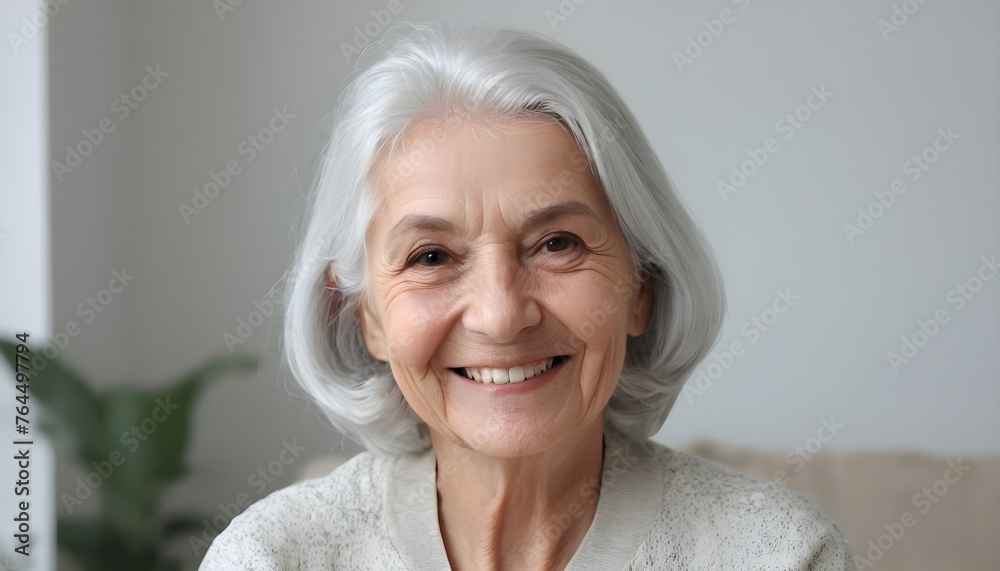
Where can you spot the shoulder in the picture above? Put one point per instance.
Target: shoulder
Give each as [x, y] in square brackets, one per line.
[307, 522]
[713, 516]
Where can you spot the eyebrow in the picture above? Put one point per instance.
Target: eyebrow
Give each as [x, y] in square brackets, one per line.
[418, 222]
[433, 223]
[558, 210]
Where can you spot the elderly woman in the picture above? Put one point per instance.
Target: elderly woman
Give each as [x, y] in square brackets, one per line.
[500, 295]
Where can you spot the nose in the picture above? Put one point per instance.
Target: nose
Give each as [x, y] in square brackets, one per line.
[501, 302]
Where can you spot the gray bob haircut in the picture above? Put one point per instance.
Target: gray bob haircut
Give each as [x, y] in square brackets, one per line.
[423, 72]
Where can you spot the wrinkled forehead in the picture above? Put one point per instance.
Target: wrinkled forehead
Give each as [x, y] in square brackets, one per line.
[518, 164]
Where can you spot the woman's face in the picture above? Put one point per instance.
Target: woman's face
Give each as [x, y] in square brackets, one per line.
[494, 254]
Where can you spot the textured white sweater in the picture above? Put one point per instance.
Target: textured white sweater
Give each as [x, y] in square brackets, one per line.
[657, 509]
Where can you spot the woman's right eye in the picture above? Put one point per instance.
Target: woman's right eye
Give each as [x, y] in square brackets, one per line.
[430, 258]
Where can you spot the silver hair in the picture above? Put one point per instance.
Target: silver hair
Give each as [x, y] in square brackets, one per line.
[425, 72]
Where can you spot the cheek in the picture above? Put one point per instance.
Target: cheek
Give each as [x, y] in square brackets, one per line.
[595, 311]
[416, 323]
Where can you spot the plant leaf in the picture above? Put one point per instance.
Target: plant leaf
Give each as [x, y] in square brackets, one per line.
[74, 417]
[151, 431]
[98, 547]
[178, 524]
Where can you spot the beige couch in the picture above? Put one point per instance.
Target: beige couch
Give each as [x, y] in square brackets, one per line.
[899, 511]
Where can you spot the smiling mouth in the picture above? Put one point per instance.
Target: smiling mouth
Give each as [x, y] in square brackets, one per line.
[515, 374]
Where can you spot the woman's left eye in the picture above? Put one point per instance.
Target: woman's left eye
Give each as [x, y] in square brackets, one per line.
[559, 243]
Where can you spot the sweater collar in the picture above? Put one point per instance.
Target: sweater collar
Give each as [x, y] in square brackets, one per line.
[630, 496]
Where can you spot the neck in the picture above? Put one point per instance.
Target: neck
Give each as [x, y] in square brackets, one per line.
[526, 512]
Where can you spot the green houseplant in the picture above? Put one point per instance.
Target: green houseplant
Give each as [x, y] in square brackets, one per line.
[133, 443]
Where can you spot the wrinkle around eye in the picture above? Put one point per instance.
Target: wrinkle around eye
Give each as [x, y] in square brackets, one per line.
[573, 253]
[414, 271]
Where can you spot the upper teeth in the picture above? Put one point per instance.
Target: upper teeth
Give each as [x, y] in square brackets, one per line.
[514, 374]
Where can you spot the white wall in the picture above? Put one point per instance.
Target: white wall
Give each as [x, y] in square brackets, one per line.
[826, 356]
[25, 282]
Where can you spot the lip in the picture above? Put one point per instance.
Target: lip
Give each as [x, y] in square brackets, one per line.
[534, 383]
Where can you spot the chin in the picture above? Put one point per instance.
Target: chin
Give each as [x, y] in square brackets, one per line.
[508, 439]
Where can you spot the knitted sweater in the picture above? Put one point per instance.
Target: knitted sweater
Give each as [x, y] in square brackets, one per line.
[657, 509]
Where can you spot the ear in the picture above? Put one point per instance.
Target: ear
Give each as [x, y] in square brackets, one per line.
[642, 313]
[331, 277]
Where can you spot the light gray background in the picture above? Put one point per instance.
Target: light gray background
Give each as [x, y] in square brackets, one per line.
[825, 357]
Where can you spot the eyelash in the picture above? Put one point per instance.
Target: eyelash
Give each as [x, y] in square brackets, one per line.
[572, 241]
[419, 255]
[416, 259]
